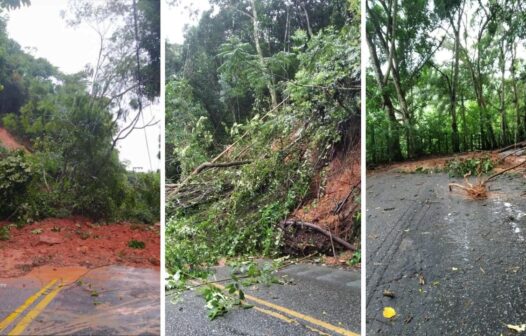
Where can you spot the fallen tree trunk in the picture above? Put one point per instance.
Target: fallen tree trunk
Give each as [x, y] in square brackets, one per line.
[505, 170]
[209, 165]
[320, 230]
[515, 145]
[195, 171]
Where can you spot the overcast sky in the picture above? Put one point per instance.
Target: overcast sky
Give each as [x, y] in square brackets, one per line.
[40, 28]
[175, 18]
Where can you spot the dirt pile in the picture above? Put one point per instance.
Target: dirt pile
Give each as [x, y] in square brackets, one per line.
[78, 242]
[334, 202]
[8, 141]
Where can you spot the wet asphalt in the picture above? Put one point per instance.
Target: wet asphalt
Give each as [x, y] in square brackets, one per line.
[113, 300]
[327, 294]
[456, 266]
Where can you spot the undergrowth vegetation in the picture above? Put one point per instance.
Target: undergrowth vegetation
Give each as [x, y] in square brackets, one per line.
[70, 124]
[31, 190]
[473, 166]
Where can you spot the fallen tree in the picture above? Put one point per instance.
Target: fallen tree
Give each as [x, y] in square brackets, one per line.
[292, 222]
[479, 189]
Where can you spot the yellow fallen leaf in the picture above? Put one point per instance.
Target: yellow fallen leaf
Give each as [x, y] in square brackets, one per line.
[517, 328]
[389, 312]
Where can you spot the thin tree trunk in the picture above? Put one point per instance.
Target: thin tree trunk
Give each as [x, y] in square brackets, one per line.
[455, 141]
[263, 63]
[395, 152]
[502, 106]
[309, 29]
[518, 130]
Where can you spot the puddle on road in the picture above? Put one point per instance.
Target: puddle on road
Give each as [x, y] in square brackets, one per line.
[66, 275]
[111, 300]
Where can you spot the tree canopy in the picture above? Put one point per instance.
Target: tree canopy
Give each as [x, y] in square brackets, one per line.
[444, 76]
[71, 123]
[260, 97]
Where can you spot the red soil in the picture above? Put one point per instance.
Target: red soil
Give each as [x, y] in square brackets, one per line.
[439, 162]
[339, 181]
[8, 141]
[342, 174]
[77, 242]
[429, 163]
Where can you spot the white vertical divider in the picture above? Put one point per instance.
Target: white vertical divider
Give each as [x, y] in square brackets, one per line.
[363, 196]
[163, 172]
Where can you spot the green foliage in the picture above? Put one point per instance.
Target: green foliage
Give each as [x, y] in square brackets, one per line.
[189, 136]
[473, 166]
[471, 100]
[219, 93]
[16, 175]
[356, 258]
[219, 302]
[250, 272]
[142, 198]
[73, 167]
[4, 233]
[136, 244]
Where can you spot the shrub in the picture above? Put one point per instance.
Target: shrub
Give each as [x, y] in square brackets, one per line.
[4, 233]
[475, 166]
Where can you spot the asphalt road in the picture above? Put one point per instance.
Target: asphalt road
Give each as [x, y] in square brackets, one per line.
[456, 266]
[111, 300]
[319, 301]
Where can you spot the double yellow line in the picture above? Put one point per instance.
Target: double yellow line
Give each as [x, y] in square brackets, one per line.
[33, 313]
[292, 313]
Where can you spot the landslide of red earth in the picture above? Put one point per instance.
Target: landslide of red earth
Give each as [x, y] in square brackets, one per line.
[8, 141]
[332, 207]
[77, 242]
[439, 162]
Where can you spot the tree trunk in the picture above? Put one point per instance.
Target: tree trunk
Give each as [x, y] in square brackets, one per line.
[464, 124]
[263, 63]
[455, 141]
[395, 152]
[502, 105]
[519, 129]
[309, 29]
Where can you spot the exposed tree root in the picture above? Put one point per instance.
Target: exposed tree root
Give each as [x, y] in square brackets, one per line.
[315, 227]
[479, 190]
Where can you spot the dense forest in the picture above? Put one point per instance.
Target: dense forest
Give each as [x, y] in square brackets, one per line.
[69, 124]
[444, 76]
[261, 98]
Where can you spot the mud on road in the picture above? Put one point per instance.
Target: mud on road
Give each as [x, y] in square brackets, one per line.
[456, 266]
[77, 241]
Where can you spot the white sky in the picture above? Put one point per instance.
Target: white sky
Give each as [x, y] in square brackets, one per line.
[41, 28]
[175, 18]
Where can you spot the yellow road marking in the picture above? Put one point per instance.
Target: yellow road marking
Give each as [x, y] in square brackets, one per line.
[5, 323]
[276, 315]
[32, 314]
[318, 331]
[296, 314]
[288, 320]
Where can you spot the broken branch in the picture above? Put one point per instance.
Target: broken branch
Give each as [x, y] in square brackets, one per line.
[320, 230]
[209, 165]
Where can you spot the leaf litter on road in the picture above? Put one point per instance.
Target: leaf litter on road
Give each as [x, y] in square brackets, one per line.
[517, 328]
[389, 312]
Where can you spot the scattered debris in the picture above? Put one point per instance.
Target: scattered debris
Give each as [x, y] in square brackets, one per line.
[517, 328]
[479, 190]
[389, 293]
[108, 244]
